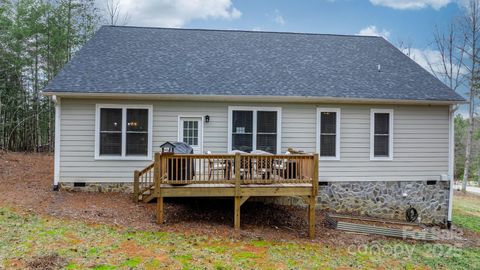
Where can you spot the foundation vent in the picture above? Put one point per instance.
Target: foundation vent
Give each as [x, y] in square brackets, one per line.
[79, 184]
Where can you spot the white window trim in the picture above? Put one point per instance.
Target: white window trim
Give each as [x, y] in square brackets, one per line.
[124, 108]
[372, 135]
[254, 128]
[337, 132]
[179, 127]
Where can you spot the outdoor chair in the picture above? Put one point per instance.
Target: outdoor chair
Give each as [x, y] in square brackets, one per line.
[215, 165]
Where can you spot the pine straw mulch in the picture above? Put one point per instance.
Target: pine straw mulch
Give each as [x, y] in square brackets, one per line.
[47, 262]
[26, 185]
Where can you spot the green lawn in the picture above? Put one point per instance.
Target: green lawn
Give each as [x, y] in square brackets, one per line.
[466, 212]
[30, 240]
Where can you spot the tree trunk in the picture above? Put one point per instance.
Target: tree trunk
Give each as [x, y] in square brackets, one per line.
[468, 150]
[471, 35]
[38, 136]
[69, 25]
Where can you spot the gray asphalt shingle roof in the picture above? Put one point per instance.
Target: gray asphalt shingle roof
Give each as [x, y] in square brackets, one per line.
[218, 62]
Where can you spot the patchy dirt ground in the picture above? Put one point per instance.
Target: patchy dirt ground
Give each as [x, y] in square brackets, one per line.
[26, 185]
[29, 241]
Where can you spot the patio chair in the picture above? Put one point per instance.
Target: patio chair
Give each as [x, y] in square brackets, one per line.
[285, 168]
[215, 165]
[264, 167]
[246, 167]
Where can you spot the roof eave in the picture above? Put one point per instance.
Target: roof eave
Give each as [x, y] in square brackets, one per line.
[287, 99]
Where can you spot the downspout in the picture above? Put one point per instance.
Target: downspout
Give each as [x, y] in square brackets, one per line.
[56, 170]
[451, 160]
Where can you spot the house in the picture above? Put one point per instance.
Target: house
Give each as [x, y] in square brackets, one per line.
[381, 124]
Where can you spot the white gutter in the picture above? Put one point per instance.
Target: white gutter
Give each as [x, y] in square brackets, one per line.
[451, 160]
[56, 170]
[287, 99]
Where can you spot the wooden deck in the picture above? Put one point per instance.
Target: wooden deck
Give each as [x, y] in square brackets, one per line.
[239, 176]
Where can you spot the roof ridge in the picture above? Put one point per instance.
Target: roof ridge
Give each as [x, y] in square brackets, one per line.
[237, 30]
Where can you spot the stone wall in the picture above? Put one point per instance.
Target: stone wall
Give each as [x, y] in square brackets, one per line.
[388, 199]
[99, 187]
[384, 199]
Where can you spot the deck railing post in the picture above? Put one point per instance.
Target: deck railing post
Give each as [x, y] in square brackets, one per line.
[315, 175]
[237, 173]
[156, 171]
[136, 185]
[237, 199]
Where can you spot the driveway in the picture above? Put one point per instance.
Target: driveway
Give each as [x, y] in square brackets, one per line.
[474, 190]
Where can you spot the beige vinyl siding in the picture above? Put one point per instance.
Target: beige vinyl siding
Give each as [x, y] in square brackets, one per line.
[420, 139]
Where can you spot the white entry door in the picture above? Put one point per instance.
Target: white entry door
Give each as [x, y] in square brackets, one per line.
[190, 131]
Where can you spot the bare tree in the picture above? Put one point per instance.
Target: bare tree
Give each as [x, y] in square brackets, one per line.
[406, 48]
[470, 29]
[451, 47]
[114, 14]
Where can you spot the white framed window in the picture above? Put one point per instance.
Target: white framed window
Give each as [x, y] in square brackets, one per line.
[381, 134]
[123, 131]
[328, 133]
[254, 128]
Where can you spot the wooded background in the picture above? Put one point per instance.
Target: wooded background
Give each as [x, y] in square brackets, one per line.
[38, 37]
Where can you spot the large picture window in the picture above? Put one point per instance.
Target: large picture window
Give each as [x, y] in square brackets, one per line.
[328, 133]
[123, 132]
[381, 139]
[252, 128]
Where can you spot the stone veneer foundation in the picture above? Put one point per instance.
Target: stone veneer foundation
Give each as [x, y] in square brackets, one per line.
[99, 187]
[388, 199]
[381, 199]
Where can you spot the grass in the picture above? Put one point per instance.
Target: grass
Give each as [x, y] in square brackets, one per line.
[466, 212]
[26, 239]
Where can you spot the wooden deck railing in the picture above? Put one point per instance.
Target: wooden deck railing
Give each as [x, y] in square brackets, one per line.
[234, 169]
[143, 180]
[225, 169]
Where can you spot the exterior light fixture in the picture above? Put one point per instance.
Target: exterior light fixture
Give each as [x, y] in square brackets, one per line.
[207, 118]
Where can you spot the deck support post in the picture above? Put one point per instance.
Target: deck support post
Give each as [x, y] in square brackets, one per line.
[311, 216]
[238, 198]
[313, 199]
[239, 201]
[158, 193]
[236, 217]
[136, 185]
[159, 209]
